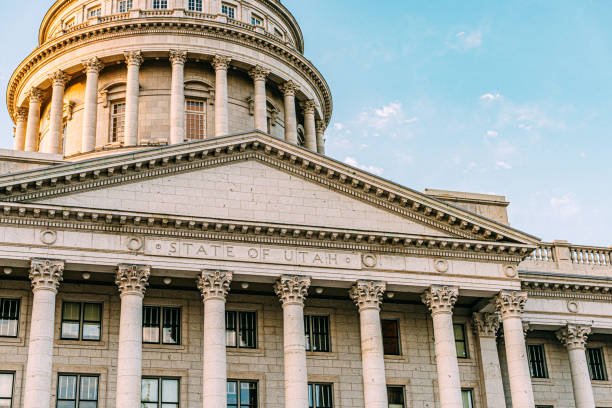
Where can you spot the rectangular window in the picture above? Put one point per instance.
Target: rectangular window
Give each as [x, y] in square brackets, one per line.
[317, 333]
[77, 391]
[161, 325]
[81, 321]
[537, 361]
[241, 394]
[391, 343]
[6, 389]
[160, 4]
[160, 393]
[256, 20]
[460, 340]
[195, 120]
[395, 395]
[195, 5]
[228, 10]
[9, 317]
[468, 398]
[94, 12]
[597, 366]
[125, 5]
[320, 396]
[117, 122]
[241, 329]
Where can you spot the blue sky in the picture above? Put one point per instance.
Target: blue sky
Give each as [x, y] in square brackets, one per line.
[504, 97]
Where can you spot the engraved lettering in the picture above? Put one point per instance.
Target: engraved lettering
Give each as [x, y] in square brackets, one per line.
[187, 248]
[201, 251]
[332, 259]
[229, 252]
[217, 248]
[302, 256]
[172, 247]
[317, 259]
[288, 255]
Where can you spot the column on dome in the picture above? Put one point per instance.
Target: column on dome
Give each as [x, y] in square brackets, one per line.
[511, 304]
[440, 300]
[33, 127]
[132, 281]
[320, 129]
[292, 291]
[46, 275]
[574, 337]
[259, 75]
[485, 327]
[288, 89]
[132, 93]
[214, 287]
[58, 80]
[177, 96]
[92, 66]
[221, 64]
[367, 295]
[310, 135]
[21, 122]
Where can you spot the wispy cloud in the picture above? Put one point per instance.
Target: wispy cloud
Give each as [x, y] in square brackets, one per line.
[565, 205]
[490, 97]
[351, 161]
[503, 165]
[470, 40]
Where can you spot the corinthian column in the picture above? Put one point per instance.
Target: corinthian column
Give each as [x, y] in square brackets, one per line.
[221, 65]
[46, 275]
[574, 337]
[292, 291]
[177, 96]
[485, 327]
[132, 93]
[510, 305]
[440, 300]
[320, 137]
[21, 118]
[288, 89]
[90, 112]
[58, 80]
[214, 286]
[259, 75]
[310, 134]
[132, 281]
[33, 129]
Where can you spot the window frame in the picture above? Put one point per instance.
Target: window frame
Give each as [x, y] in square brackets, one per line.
[160, 325]
[470, 392]
[464, 341]
[199, 114]
[77, 398]
[229, 14]
[160, 394]
[602, 369]
[81, 322]
[238, 402]
[237, 328]
[257, 18]
[10, 399]
[117, 134]
[16, 319]
[397, 336]
[195, 5]
[403, 389]
[159, 4]
[97, 9]
[309, 332]
[312, 388]
[123, 6]
[544, 363]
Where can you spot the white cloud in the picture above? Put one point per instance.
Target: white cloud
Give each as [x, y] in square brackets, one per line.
[387, 120]
[566, 205]
[371, 169]
[338, 126]
[492, 133]
[391, 110]
[471, 40]
[460, 34]
[503, 165]
[490, 96]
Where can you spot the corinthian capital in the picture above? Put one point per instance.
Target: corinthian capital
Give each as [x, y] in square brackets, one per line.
[59, 78]
[510, 303]
[259, 73]
[308, 107]
[21, 115]
[178, 57]
[574, 335]
[292, 289]
[288, 88]
[133, 57]
[46, 274]
[93, 65]
[485, 324]
[440, 299]
[35, 95]
[132, 279]
[367, 294]
[221, 62]
[214, 284]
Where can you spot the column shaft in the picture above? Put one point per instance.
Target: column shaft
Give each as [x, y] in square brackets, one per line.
[54, 144]
[310, 134]
[20, 129]
[320, 137]
[33, 127]
[288, 89]
[132, 94]
[221, 65]
[177, 96]
[259, 75]
[575, 338]
[90, 110]
[486, 326]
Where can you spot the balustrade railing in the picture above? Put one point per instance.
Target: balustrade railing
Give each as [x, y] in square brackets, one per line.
[591, 255]
[564, 255]
[543, 253]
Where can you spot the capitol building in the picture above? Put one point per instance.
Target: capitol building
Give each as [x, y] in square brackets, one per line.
[173, 236]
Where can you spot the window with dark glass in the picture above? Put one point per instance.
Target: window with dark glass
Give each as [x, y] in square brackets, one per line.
[391, 341]
[160, 393]
[6, 389]
[9, 317]
[228, 10]
[597, 366]
[160, 4]
[460, 340]
[81, 321]
[125, 5]
[317, 333]
[94, 12]
[241, 394]
[161, 325]
[395, 396]
[468, 398]
[77, 391]
[195, 5]
[320, 396]
[256, 20]
[537, 361]
[241, 329]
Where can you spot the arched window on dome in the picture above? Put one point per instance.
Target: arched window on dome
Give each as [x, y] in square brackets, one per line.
[195, 5]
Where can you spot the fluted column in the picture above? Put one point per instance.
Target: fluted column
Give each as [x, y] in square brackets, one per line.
[310, 135]
[574, 337]
[33, 127]
[177, 96]
[214, 286]
[46, 275]
[485, 327]
[92, 66]
[221, 65]
[259, 75]
[440, 300]
[288, 89]
[21, 118]
[132, 95]
[132, 281]
[367, 295]
[58, 79]
[292, 291]
[511, 304]
[320, 136]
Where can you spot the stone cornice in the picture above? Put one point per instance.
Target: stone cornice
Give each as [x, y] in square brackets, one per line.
[567, 288]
